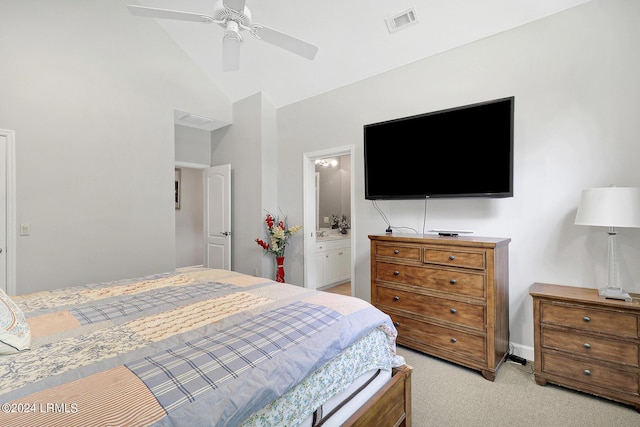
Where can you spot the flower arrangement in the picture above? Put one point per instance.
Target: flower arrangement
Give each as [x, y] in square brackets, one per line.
[342, 223]
[278, 235]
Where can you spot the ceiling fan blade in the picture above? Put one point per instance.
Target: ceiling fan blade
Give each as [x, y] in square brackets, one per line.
[285, 41]
[231, 54]
[237, 5]
[151, 12]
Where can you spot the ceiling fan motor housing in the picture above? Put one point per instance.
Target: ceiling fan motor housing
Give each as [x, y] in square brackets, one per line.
[225, 14]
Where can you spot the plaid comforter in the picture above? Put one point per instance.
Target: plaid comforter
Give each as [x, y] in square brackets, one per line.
[195, 347]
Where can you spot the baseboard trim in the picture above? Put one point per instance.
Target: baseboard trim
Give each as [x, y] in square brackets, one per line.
[523, 351]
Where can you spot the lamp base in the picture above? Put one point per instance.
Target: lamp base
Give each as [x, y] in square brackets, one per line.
[611, 292]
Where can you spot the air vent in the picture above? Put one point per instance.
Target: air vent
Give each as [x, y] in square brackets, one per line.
[402, 20]
[195, 121]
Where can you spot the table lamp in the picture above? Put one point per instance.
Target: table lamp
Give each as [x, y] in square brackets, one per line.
[610, 207]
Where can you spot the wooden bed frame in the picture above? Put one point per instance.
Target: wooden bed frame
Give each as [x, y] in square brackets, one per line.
[390, 406]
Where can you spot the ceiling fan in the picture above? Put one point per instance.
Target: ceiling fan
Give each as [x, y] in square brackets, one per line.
[234, 17]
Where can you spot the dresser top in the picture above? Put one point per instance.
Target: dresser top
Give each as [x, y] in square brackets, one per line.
[487, 242]
[581, 295]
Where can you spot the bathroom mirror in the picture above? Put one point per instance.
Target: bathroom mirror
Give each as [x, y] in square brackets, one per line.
[333, 183]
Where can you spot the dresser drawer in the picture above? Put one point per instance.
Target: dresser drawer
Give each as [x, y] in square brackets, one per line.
[590, 319]
[399, 251]
[590, 346]
[450, 281]
[590, 373]
[449, 295]
[460, 313]
[461, 343]
[456, 258]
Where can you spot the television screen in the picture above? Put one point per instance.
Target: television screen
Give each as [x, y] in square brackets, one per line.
[459, 152]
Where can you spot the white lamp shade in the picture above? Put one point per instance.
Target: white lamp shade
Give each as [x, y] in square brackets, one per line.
[609, 207]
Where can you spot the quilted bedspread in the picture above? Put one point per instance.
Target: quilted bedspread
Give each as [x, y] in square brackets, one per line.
[194, 347]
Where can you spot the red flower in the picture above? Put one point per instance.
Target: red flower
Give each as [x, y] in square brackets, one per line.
[269, 221]
[263, 244]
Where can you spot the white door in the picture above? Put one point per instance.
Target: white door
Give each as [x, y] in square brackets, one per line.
[3, 213]
[8, 211]
[217, 217]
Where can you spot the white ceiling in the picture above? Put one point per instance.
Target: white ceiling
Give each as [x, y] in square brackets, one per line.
[352, 37]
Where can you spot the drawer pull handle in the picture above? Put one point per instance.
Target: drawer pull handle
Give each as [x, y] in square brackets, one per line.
[587, 345]
[451, 257]
[396, 298]
[453, 281]
[395, 273]
[396, 324]
[586, 318]
[587, 372]
[453, 340]
[453, 311]
[395, 251]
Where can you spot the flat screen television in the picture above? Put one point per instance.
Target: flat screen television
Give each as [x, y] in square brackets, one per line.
[465, 151]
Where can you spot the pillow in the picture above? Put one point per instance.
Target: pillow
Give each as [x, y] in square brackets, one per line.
[15, 334]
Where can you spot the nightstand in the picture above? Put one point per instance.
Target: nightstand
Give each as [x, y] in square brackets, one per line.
[587, 343]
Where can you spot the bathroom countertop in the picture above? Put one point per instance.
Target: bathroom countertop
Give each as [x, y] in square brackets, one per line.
[329, 237]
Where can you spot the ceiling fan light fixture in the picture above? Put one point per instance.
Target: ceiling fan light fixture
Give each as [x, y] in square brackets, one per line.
[232, 31]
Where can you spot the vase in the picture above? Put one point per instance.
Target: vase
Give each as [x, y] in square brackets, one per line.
[280, 269]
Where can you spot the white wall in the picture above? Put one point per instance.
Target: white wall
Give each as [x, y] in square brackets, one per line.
[249, 146]
[575, 81]
[189, 219]
[90, 91]
[192, 145]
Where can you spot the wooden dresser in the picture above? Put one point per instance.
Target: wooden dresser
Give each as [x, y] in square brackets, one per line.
[447, 296]
[587, 343]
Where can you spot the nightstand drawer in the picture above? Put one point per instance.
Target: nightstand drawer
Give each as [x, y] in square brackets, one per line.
[591, 373]
[450, 281]
[460, 313]
[590, 346]
[461, 343]
[590, 319]
[399, 251]
[455, 258]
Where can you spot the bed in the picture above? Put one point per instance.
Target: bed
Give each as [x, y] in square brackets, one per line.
[198, 347]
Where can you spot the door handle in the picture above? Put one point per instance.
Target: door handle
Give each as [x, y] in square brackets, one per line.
[225, 233]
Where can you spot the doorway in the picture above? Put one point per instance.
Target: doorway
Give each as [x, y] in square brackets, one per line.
[313, 268]
[203, 216]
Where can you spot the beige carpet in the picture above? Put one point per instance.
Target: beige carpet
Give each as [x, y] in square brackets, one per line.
[446, 394]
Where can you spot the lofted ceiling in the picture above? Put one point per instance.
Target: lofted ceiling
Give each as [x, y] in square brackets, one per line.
[352, 36]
